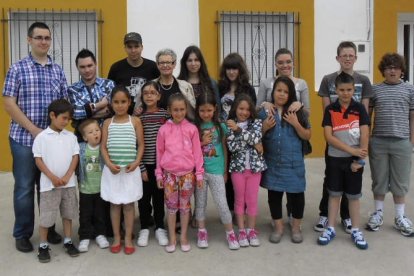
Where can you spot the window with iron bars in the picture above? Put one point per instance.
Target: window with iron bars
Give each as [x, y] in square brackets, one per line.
[71, 31]
[256, 37]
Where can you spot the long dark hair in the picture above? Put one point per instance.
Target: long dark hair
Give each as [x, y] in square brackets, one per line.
[239, 98]
[208, 98]
[233, 61]
[291, 98]
[203, 74]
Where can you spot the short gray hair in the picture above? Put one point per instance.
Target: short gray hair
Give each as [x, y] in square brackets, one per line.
[166, 52]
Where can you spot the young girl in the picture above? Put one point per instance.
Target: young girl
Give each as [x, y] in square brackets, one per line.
[213, 142]
[152, 119]
[246, 165]
[178, 156]
[121, 178]
[283, 154]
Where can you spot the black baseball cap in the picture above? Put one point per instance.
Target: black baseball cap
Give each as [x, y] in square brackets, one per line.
[132, 37]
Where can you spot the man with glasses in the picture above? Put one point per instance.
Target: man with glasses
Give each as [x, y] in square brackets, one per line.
[134, 70]
[31, 85]
[346, 57]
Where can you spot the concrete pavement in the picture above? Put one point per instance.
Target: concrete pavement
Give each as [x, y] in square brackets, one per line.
[388, 252]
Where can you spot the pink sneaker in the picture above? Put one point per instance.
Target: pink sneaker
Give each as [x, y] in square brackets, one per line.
[253, 238]
[243, 241]
[232, 241]
[202, 238]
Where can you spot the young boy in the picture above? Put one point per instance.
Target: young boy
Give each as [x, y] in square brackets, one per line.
[346, 57]
[56, 154]
[92, 215]
[346, 131]
[391, 143]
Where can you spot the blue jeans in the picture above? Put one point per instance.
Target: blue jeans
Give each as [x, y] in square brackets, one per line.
[26, 178]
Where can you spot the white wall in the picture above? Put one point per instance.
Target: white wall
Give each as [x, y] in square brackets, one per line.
[336, 21]
[164, 24]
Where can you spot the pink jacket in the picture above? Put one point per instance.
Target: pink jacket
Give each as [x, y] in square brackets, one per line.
[179, 150]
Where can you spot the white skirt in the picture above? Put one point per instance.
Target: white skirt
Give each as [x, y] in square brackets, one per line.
[121, 188]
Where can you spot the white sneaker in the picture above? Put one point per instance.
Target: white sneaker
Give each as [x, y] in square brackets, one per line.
[143, 237]
[102, 241]
[202, 239]
[161, 236]
[83, 246]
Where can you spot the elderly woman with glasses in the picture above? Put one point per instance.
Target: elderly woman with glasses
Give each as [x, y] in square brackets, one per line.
[284, 67]
[166, 60]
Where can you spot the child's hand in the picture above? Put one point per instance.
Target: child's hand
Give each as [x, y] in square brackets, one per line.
[291, 118]
[295, 106]
[207, 138]
[159, 184]
[137, 111]
[66, 179]
[259, 148]
[56, 181]
[144, 176]
[269, 108]
[115, 169]
[268, 123]
[232, 125]
[355, 166]
[200, 184]
[131, 167]
[361, 153]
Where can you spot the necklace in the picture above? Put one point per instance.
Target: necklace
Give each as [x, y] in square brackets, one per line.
[167, 87]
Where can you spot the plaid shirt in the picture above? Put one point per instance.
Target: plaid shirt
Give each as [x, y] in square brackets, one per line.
[79, 96]
[34, 86]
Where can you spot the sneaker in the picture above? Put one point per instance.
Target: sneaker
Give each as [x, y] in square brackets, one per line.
[232, 241]
[375, 221]
[404, 225]
[43, 254]
[243, 241]
[327, 235]
[359, 240]
[161, 236]
[143, 237]
[83, 246]
[321, 225]
[253, 238]
[202, 239]
[102, 241]
[347, 225]
[71, 249]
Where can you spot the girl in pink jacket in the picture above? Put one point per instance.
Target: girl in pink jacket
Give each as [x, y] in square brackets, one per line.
[179, 166]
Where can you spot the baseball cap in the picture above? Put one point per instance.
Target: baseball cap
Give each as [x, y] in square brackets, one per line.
[132, 37]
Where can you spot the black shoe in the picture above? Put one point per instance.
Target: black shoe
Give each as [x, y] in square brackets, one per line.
[24, 245]
[43, 254]
[53, 237]
[71, 249]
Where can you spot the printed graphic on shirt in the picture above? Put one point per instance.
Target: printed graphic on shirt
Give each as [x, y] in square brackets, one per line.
[209, 150]
[346, 127]
[93, 164]
[135, 89]
[226, 103]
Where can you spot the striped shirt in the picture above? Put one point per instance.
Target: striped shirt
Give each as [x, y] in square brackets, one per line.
[392, 105]
[122, 143]
[151, 122]
[34, 86]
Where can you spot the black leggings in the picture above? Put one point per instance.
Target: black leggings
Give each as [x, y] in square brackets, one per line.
[296, 201]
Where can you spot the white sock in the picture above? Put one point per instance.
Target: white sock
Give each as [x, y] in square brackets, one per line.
[43, 244]
[354, 229]
[66, 240]
[202, 229]
[229, 232]
[379, 205]
[399, 210]
[248, 230]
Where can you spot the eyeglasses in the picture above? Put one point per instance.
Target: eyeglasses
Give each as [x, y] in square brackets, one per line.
[347, 56]
[161, 63]
[41, 38]
[391, 67]
[150, 93]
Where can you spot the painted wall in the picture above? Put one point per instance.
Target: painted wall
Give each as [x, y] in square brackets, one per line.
[113, 29]
[386, 23]
[164, 24]
[337, 21]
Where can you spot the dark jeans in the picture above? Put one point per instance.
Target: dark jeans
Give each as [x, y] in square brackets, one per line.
[296, 202]
[92, 216]
[229, 187]
[151, 191]
[26, 181]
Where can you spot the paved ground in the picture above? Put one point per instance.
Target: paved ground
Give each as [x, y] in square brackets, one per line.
[388, 253]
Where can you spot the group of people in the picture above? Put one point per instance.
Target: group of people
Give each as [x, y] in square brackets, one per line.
[144, 135]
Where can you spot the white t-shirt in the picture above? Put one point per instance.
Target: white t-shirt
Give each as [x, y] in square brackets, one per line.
[56, 150]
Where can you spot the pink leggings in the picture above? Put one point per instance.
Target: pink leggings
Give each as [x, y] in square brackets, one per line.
[246, 189]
